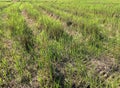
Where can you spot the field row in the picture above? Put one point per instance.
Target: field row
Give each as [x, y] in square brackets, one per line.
[53, 45]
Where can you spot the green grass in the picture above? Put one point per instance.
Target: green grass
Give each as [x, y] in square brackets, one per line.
[60, 44]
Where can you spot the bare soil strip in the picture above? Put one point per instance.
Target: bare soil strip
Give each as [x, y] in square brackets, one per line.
[66, 25]
[31, 23]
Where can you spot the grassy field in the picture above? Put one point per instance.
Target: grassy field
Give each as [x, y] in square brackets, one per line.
[60, 44]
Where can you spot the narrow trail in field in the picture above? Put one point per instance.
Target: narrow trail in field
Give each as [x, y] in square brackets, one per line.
[31, 23]
[67, 25]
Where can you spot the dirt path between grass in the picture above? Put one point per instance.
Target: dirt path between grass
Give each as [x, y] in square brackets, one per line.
[67, 25]
[28, 20]
[31, 23]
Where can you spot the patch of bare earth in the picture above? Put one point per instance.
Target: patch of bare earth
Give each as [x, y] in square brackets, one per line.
[104, 67]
